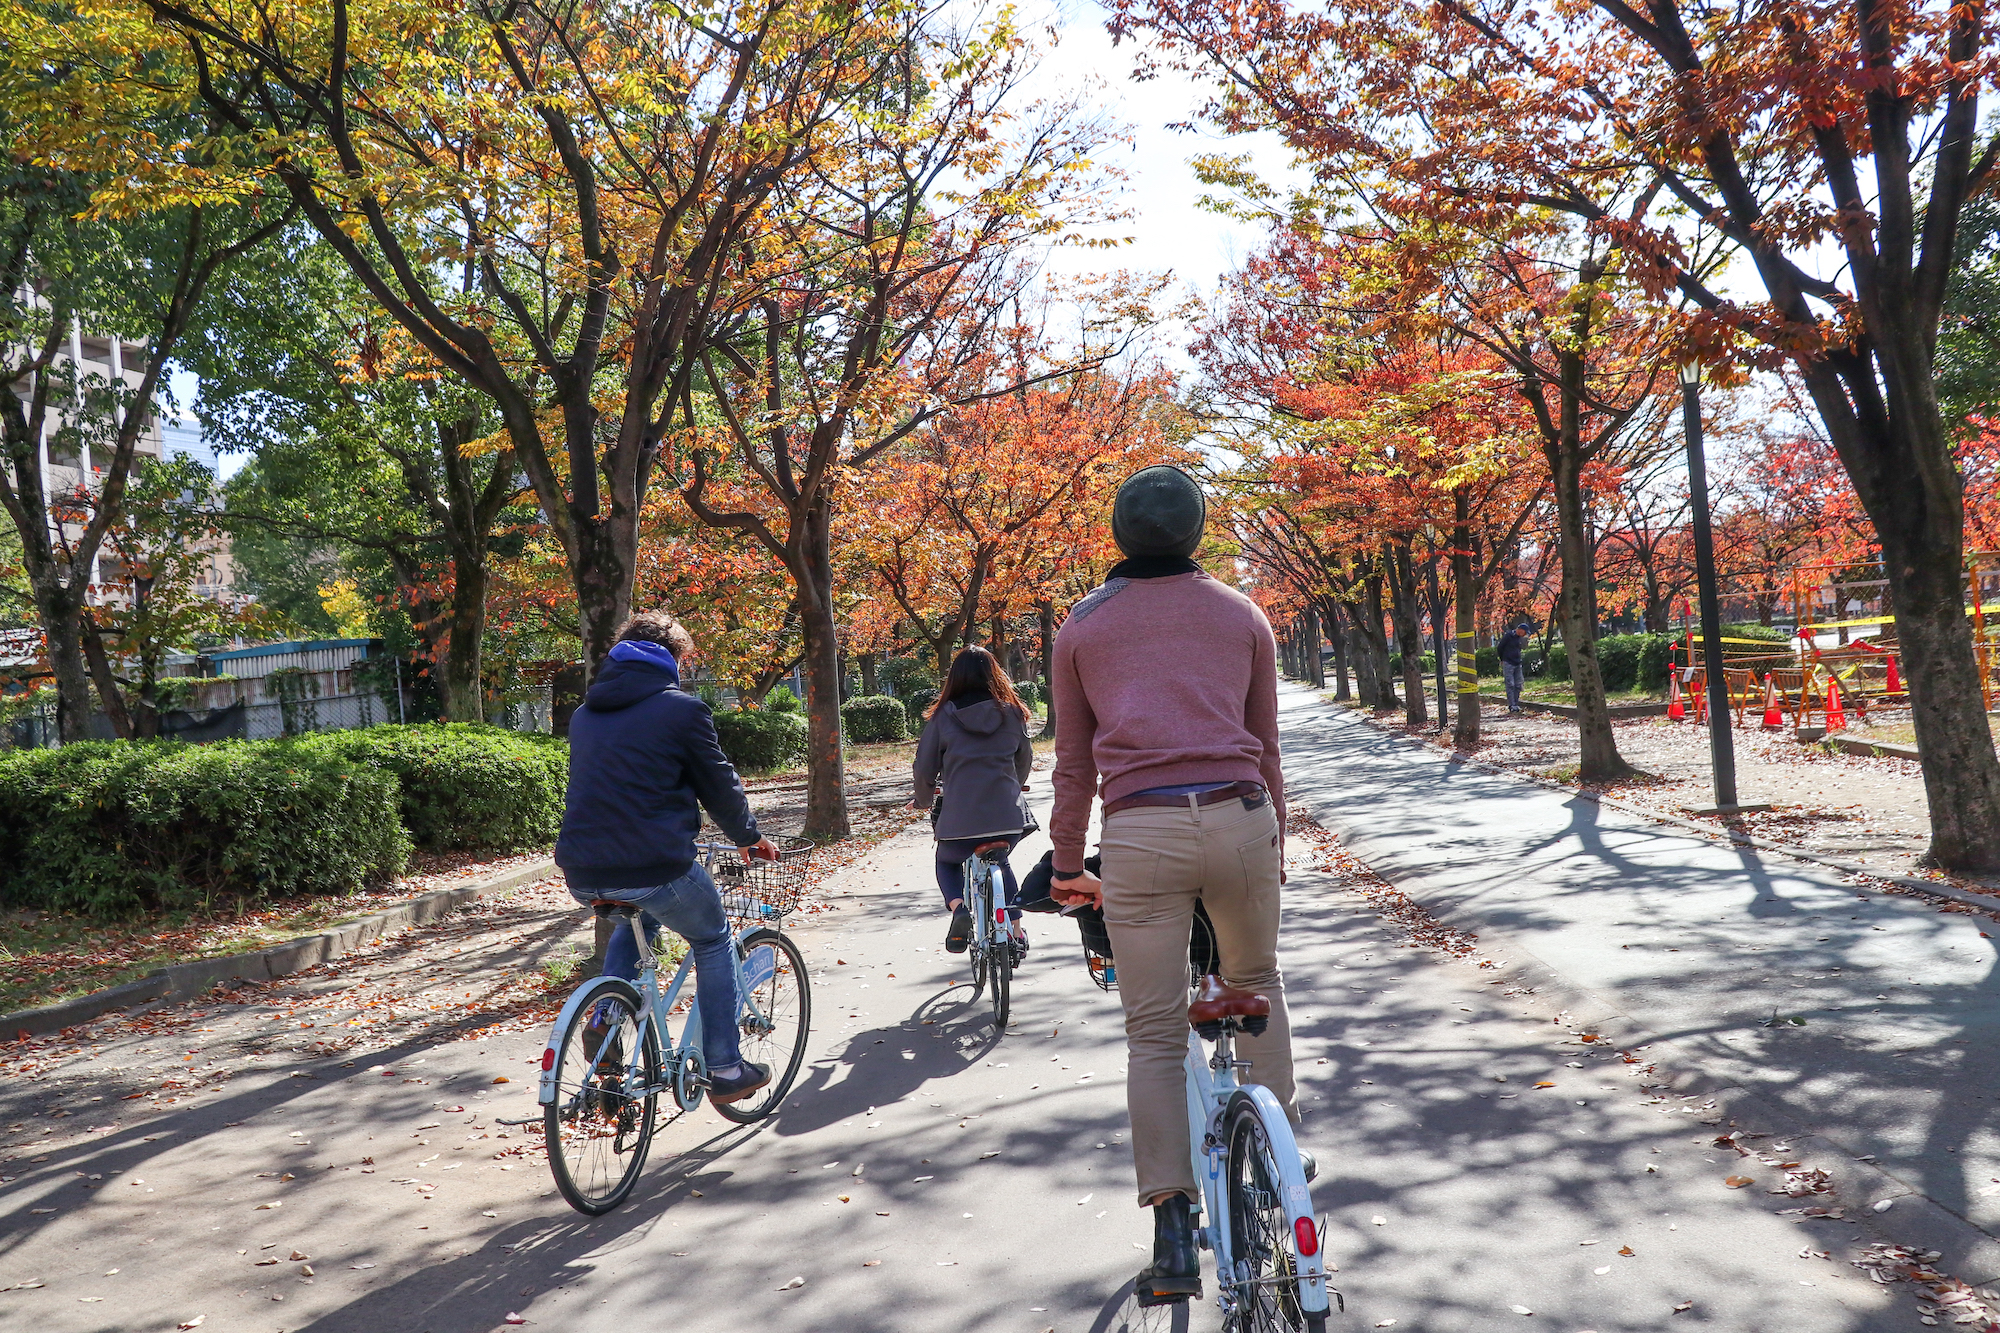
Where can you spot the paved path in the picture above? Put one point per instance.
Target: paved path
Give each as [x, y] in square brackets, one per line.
[1704, 944]
[994, 1190]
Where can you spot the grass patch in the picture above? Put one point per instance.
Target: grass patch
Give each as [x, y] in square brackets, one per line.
[1562, 692]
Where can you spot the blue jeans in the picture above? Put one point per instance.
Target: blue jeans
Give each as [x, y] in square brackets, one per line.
[952, 854]
[692, 908]
[1510, 674]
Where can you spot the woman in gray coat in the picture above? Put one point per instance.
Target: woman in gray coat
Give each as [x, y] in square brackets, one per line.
[975, 746]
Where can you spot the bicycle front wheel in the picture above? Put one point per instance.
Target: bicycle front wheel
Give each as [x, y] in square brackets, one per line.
[775, 1019]
[1266, 1280]
[1000, 972]
[599, 1126]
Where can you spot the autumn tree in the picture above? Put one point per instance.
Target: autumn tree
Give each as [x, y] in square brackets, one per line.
[1779, 132]
[886, 272]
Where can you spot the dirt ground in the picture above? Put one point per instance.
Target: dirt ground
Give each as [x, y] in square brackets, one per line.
[1869, 811]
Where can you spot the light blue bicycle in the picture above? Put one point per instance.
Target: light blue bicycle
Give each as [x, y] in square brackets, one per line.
[1256, 1213]
[612, 1053]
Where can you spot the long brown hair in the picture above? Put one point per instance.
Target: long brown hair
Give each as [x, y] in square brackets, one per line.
[975, 669]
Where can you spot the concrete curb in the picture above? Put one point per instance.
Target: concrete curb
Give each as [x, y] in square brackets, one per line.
[1871, 749]
[1915, 1218]
[184, 981]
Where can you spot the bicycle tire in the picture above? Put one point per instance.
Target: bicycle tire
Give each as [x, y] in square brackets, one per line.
[596, 1170]
[1262, 1242]
[792, 1014]
[1001, 967]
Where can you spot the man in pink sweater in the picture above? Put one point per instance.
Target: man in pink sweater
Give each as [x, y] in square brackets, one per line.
[1166, 702]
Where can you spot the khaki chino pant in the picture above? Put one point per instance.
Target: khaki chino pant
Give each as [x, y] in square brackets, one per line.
[1157, 861]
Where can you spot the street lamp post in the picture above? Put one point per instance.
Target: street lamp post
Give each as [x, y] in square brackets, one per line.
[1721, 740]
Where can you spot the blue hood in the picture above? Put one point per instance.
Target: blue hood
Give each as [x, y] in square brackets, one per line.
[633, 671]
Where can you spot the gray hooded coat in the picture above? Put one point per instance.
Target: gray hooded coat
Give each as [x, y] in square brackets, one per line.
[981, 754]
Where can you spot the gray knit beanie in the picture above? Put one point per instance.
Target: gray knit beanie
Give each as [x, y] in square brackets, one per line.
[1160, 511]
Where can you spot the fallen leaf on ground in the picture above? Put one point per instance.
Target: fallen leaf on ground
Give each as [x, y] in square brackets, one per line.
[513, 1318]
[1738, 1182]
[1625, 1250]
[871, 1263]
[793, 1285]
[195, 1322]
[1520, 1309]
[1545, 1084]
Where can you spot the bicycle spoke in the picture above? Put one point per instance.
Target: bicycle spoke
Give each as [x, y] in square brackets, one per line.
[607, 1073]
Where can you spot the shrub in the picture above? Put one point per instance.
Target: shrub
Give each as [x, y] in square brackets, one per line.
[464, 784]
[1429, 667]
[782, 700]
[1656, 660]
[112, 827]
[1623, 660]
[1487, 661]
[875, 717]
[1030, 692]
[919, 702]
[758, 740]
[906, 674]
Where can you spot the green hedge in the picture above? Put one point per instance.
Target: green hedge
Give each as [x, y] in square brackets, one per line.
[1430, 664]
[875, 717]
[1030, 692]
[1624, 660]
[918, 702]
[1486, 661]
[465, 785]
[110, 828]
[758, 740]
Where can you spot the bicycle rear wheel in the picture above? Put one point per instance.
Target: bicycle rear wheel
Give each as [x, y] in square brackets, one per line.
[1265, 1283]
[775, 972]
[1000, 972]
[600, 1125]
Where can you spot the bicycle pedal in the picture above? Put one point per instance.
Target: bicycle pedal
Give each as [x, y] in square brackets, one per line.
[1142, 1291]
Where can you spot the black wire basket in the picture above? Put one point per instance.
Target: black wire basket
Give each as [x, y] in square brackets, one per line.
[761, 890]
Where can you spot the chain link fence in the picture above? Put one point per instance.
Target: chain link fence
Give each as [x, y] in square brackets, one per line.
[35, 728]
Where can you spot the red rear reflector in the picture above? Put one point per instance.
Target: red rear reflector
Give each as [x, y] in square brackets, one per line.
[1308, 1236]
[548, 1059]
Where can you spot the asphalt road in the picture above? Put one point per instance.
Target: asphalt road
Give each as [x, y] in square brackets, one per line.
[927, 1173]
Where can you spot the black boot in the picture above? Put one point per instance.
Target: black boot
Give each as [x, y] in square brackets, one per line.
[1175, 1273]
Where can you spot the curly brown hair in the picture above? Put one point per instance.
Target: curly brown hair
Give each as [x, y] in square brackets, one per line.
[976, 669]
[658, 627]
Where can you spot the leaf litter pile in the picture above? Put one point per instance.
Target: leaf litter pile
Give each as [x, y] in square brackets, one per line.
[1325, 856]
[1941, 1300]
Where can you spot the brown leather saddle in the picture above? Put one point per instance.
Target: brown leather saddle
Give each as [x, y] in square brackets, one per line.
[1218, 1005]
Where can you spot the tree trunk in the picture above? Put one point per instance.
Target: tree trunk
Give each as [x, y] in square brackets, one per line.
[62, 631]
[870, 683]
[1366, 687]
[826, 794]
[109, 696]
[1375, 642]
[1337, 635]
[1315, 663]
[1576, 605]
[458, 673]
[1046, 610]
[1465, 613]
[1409, 641]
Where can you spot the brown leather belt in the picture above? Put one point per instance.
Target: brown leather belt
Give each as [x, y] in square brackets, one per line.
[1251, 794]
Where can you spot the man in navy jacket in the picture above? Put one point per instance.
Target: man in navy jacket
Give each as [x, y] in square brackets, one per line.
[644, 761]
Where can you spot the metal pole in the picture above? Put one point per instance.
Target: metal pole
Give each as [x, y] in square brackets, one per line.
[1721, 739]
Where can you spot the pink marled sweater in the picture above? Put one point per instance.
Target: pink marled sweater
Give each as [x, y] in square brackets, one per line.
[1160, 682]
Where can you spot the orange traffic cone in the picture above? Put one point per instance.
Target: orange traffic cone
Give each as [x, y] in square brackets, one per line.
[1895, 683]
[1676, 710]
[1774, 716]
[1836, 714]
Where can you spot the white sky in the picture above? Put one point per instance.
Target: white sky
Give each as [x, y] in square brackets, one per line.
[1168, 231]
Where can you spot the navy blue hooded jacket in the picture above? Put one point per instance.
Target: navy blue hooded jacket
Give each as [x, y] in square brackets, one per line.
[641, 754]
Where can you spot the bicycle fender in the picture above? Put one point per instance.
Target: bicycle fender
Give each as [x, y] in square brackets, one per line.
[585, 994]
[1297, 1192]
